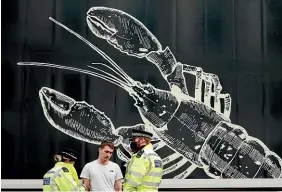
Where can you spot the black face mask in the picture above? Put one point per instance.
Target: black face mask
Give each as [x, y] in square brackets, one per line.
[134, 147]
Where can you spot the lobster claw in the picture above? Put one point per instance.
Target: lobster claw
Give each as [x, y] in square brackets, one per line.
[122, 31]
[77, 119]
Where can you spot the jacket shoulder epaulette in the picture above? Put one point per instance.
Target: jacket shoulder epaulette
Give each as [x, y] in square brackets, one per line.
[139, 153]
[65, 169]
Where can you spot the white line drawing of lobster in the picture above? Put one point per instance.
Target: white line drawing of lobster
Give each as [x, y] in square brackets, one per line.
[197, 131]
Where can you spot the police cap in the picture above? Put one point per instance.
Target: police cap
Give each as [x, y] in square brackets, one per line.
[68, 153]
[141, 133]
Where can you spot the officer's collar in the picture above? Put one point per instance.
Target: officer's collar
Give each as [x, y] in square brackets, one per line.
[149, 146]
[62, 164]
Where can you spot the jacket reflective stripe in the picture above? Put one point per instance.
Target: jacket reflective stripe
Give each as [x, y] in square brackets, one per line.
[154, 174]
[135, 173]
[53, 186]
[132, 183]
[55, 173]
[150, 184]
[52, 180]
[146, 183]
[51, 172]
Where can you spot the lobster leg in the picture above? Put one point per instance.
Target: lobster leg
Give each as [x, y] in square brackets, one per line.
[198, 72]
[171, 70]
[212, 88]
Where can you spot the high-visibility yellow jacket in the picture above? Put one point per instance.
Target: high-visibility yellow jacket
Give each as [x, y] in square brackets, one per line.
[144, 171]
[62, 177]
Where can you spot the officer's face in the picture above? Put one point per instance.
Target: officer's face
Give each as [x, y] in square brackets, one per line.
[139, 140]
[105, 153]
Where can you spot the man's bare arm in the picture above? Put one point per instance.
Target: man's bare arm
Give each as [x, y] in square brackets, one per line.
[86, 183]
[118, 185]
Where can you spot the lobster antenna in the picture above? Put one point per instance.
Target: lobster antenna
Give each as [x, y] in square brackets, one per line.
[117, 82]
[108, 74]
[110, 69]
[104, 55]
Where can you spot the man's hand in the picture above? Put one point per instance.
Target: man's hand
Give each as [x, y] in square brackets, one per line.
[117, 186]
[86, 184]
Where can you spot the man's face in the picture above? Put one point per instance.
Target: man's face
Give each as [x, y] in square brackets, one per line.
[105, 153]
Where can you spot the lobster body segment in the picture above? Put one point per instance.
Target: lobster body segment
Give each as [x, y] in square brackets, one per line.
[155, 105]
[192, 118]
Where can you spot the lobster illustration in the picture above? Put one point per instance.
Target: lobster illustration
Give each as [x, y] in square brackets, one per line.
[198, 132]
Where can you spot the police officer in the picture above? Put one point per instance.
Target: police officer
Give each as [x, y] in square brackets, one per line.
[63, 176]
[144, 170]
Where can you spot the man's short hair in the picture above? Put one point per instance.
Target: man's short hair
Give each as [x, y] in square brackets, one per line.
[107, 143]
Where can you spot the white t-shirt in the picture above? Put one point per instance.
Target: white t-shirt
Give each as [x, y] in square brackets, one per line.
[102, 177]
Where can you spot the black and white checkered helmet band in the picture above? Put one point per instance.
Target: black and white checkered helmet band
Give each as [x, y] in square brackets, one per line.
[141, 135]
[70, 155]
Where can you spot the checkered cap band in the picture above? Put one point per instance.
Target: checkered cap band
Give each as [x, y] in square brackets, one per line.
[137, 134]
[69, 154]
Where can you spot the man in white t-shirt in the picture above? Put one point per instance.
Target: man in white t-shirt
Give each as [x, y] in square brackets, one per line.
[102, 174]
